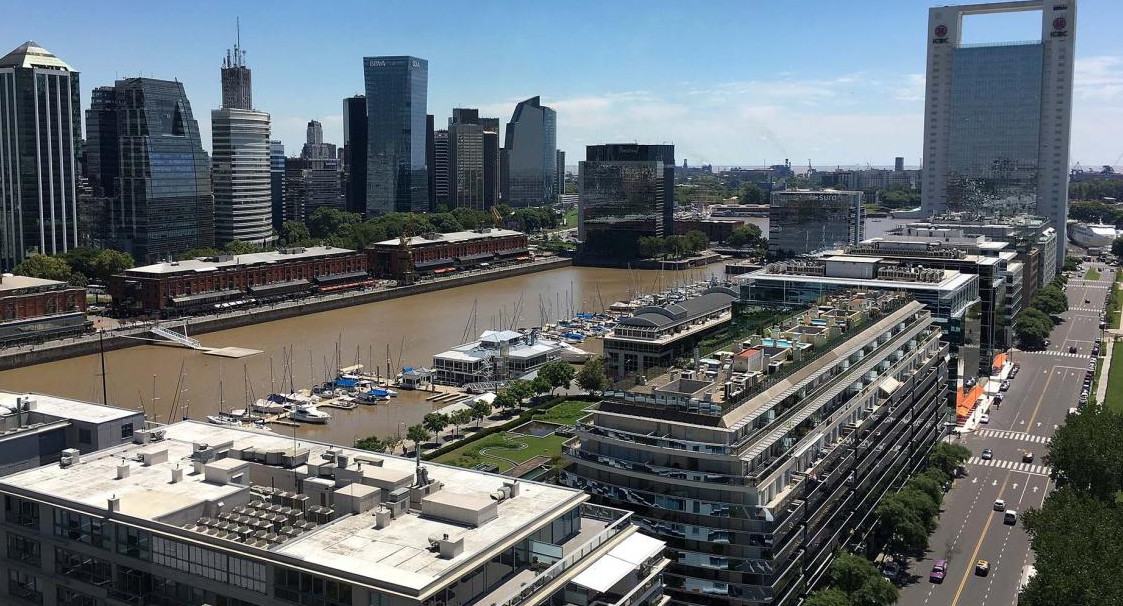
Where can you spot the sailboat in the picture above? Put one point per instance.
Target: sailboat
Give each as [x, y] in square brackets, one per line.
[222, 418]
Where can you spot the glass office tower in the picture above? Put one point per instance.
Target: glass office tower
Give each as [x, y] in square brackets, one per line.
[626, 192]
[397, 177]
[801, 222]
[530, 155]
[40, 122]
[997, 117]
[165, 205]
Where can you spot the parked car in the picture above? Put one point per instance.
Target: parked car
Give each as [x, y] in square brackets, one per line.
[984, 419]
[969, 382]
[988, 454]
[939, 571]
[982, 568]
[1071, 349]
[1004, 386]
[891, 570]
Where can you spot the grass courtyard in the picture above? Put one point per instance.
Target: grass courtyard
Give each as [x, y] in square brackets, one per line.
[1091, 274]
[1113, 399]
[506, 449]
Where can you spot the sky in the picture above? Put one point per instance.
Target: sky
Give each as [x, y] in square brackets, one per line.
[743, 82]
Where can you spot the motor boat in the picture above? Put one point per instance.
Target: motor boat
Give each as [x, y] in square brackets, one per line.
[308, 413]
[268, 407]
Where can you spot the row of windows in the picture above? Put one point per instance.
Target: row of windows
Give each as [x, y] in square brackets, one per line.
[209, 564]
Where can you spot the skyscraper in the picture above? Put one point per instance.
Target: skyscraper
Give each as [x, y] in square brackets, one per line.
[491, 146]
[397, 178]
[240, 165]
[466, 159]
[40, 123]
[277, 182]
[164, 204]
[355, 153]
[319, 169]
[625, 191]
[560, 179]
[314, 133]
[440, 168]
[997, 116]
[530, 151]
[102, 162]
[431, 159]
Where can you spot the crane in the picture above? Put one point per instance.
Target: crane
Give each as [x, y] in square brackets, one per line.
[405, 255]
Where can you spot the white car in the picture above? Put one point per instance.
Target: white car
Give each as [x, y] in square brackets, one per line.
[984, 419]
[999, 505]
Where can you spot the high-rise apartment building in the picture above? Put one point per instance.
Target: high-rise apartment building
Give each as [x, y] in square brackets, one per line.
[440, 169]
[802, 221]
[625, 191]
[757, 473]
[466, 159]
[277, 182]
[40, 129]
[164, 205]
[491, 148]
[355, 153]
[240, 161]
[192, 513]
[560, 179]
[314, 133]
[397, 178]
[997, 117]
[530, 155]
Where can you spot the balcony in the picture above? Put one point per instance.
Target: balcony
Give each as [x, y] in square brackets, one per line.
[655, 441]
[575, 452]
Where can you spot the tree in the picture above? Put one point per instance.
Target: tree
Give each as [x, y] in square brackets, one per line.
[593, 377]
[929, 486]
[748, 235]
[294, 232]
[520, 390]
[1071, 264]
[372, 443]
[435, 422]
[875, 592]
[540, 385]
[108, 262]
[751, 193]
[696, 240]
[558, 373]
[849, 572]
[195, 253]
[417, 434]
[45, 267]
[828, 597]
[1050, 300]
[505, 401]
[326, 221]
[946, 456]
[1032, 327]
[1117, 248]
[1079, 557]
[901, 527]
[649, 246]
[480, 411]
[238, 247]
[1085, 452]
[459, 418]
[926, 507]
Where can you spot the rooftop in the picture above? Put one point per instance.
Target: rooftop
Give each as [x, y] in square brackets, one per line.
[13, 282]
[68, 409]
[397, 557]
[206, 264]
[30, 54]
[451, 237]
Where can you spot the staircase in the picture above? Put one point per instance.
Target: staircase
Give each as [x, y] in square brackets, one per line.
[176, 337]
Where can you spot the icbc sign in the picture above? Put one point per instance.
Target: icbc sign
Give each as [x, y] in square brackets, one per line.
[941, 35]
[1059, 25]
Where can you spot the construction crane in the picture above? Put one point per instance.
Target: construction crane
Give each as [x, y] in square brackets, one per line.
[405, 255]
[497, 217]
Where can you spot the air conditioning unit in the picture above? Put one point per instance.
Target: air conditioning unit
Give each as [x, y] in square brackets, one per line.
[70, 456]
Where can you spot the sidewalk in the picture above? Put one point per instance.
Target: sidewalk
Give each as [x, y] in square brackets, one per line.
[1101, 386]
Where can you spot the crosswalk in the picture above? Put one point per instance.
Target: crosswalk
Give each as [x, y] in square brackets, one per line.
[1054, 353]
[1092, 309]
[1041, 470]
[1011, 435]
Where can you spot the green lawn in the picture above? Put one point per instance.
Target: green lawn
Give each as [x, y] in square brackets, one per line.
[571, 218]
[1091, 274]
[502, 448]
[1113, 399]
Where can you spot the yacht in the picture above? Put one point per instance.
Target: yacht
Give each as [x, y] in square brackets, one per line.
[268, 407]
[1092, 235]
[224, 419]
[308, 413]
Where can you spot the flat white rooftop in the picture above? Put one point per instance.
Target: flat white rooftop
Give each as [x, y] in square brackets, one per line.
[455, 236]
[205, 264]
[396, 557]
[69, 409]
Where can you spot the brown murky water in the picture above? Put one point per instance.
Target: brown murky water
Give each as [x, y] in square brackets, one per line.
[411, 328]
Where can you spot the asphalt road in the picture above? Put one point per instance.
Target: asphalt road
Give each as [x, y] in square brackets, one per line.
[1047, 385]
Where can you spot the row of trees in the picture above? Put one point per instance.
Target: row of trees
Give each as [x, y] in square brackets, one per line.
[1075, 535]
[747, 236]
[905, 519]
[1034, 323]
[672, 246]
[78, 266]
[1095, 190]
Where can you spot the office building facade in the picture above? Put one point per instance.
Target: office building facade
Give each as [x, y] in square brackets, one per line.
[998, 116]
[801, 221]
[190, 513]
[102, 164]
[164, 205]
[530, 155]
[396, 92]
[40, 129]
[626, 191]
[466, 159]
[277, 182]
[440, 169]
[757, 477]
[355, 153]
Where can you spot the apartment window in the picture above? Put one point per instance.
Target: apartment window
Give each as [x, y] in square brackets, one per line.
[126, 431]
[21, 512]
[66, 596]
[133, 542]
[81, 528]
[309, 590]
[210, 564]
[26, 586]
[22, 549]
[82, 567]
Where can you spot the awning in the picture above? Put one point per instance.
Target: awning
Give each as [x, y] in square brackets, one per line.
[280, 288]
[434, 263]
[478, 257]
[513, 253]
[344, 382]
[619, 562]
[207, 297]
[352, 276]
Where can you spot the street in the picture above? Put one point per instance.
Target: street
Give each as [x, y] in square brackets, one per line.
[1047, 385]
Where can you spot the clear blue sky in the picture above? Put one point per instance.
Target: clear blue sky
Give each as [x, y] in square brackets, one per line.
[735, 82]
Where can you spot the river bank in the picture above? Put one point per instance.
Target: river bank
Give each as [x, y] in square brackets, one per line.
[131, 336]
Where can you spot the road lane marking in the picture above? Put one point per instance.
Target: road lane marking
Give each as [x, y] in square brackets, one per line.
[1040, 400]
[978, 546]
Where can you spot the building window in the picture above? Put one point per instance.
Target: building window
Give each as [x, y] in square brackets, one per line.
[82, 528]
[126, 431]
[82, 567]
[22, 549]
[21, 512]
[309, 590]
[68, 597]
[26, 586]
[133, 542]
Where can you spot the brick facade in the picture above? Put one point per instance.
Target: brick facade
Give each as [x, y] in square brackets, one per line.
[449, 252]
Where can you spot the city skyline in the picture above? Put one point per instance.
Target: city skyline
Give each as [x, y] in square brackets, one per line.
[710, 98]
